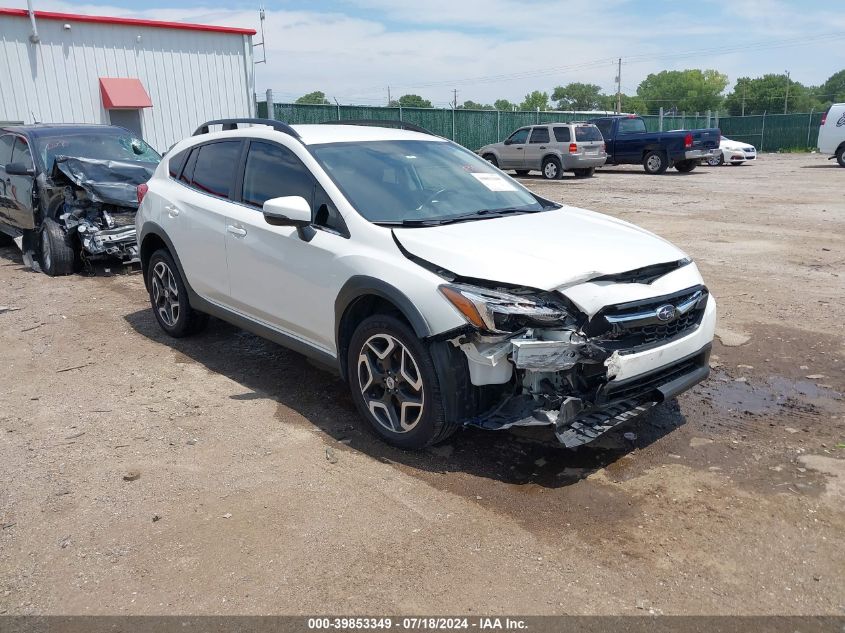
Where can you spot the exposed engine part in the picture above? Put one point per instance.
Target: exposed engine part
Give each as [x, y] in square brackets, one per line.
[103, 230]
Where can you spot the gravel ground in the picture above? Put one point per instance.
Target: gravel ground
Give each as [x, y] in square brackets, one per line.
[224, 474]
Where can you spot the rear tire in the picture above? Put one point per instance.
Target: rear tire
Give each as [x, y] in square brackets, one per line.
[686, 166]
[552, 169]
[490, 158]
[840, 156]
[585, 173]
[655, 163]
[169, 298]
[522, 172]
[57, 255]
[394, 383]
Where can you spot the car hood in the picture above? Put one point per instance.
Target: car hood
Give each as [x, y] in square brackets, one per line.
[106, 181]
[547, 250]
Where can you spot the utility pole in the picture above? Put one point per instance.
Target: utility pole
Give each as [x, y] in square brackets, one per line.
[786, 96]
[455, 101]
[619, 88]
[389, 100]
[744, 90]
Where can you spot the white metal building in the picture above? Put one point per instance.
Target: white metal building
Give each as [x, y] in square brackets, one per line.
[159, 79]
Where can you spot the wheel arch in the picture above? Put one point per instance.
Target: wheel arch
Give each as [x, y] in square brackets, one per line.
[152, 238]
[362, 296]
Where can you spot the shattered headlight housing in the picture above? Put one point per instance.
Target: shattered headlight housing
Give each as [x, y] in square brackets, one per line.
[503, 312]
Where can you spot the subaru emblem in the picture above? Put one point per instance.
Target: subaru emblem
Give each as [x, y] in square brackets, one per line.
[666, 313]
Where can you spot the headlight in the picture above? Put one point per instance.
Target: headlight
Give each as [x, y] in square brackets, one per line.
[501, 312]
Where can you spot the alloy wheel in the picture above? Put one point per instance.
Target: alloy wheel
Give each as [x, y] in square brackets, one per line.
[165, 294]
[391, 383]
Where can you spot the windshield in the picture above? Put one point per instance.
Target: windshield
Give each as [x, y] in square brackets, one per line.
[108, 144]
[420, 181]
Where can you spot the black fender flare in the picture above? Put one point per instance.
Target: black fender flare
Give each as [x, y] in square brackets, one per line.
[359, 286]
[152, 228]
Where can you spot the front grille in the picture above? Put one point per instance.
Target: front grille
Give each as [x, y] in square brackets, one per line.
[634, 326]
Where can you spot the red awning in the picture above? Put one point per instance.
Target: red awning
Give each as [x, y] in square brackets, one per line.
[124, 93]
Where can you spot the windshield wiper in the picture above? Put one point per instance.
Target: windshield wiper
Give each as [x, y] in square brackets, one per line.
[463, 217]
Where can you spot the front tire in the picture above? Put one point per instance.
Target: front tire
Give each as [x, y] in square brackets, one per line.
[490, 158]
[169, 298]
[716, 161]
[57, 255]
[840, 156]
[394, 384]
[585, 173]
[686, 166]
[552, 169]
[655, 163]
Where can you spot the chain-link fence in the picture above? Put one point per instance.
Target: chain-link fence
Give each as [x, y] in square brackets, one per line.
[475, 128]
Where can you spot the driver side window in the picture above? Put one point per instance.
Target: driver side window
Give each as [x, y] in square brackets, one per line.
[6, 143]
[519, 137]
[21, 154]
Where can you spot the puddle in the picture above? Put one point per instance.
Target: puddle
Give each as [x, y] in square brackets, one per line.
[772, 394]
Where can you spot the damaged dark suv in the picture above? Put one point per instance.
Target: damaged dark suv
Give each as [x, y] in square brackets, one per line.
[69, 191]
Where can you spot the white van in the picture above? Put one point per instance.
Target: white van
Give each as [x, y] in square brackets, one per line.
[832, 133]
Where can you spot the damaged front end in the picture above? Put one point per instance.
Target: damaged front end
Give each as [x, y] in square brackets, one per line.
[556, 366]
[99, 204]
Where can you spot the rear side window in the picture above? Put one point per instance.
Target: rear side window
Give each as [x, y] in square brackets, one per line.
[540, 135]
[587, 133]
[214, 171]
[177, 162]
[562, 135]
[273, 171]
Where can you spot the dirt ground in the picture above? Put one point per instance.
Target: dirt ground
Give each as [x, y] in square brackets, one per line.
[259, 490]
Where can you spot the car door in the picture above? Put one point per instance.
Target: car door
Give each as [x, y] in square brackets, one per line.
[20, 187]
[7, 142]
[194, 216]
[282, 276]
[628, 147]
[512, 153]
[537, 147]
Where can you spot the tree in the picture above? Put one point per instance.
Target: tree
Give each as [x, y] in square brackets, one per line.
[631, 104]
[504, 105]
[315, 98]
[691, 90]
[833, 90]
[578, 96]
[768, 93]
[411, 101]
[472, 105]
[535, 100]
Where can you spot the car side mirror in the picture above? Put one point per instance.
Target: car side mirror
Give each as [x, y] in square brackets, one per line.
[19, 169]
[508, 141]
[287, 211]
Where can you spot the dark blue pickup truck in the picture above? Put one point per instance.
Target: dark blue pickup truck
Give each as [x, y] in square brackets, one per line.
[629, 143]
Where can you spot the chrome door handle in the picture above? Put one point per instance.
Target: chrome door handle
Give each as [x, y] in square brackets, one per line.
[542, 147]
[236, 230]
[172, 210]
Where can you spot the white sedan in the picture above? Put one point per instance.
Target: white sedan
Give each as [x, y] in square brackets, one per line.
[733, 153]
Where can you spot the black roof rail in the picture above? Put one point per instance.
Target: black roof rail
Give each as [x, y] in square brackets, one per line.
[232, 124]
[402, 125]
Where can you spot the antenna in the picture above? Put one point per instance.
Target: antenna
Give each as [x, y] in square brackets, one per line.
[263, 59]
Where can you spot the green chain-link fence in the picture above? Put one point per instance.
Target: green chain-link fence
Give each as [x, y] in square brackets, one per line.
[475, 128]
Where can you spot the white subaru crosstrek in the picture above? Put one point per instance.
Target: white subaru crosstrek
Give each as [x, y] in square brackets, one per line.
[444, 292]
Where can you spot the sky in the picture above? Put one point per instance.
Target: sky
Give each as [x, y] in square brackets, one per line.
[488, 49]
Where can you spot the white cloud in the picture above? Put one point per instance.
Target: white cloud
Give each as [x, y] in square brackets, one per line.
[439, 45]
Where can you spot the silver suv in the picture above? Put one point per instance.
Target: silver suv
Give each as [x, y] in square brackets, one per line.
[551, 148]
